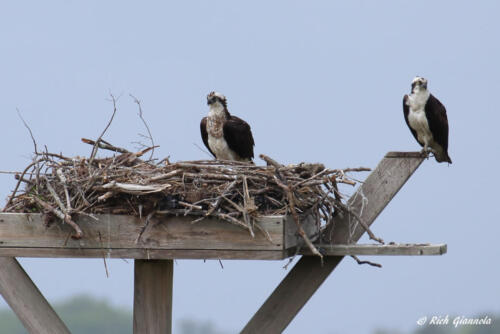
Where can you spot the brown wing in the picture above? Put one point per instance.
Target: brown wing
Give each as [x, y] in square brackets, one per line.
[204, 133]
[238, 136]
[438, 121]
[406, 111]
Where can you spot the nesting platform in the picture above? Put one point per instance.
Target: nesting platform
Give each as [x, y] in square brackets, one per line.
[117, 236]
[165, 238]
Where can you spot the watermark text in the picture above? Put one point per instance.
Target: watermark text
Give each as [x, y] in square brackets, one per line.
[455, 321]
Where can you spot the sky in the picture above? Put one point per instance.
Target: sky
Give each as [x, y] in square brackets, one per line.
[319, 81]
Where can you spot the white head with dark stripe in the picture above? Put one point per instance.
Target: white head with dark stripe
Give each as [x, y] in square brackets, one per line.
[215, 98]
[218, 105]
[418, 84]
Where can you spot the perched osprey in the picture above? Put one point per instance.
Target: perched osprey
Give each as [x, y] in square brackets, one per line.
[426, 118]
[226, 136]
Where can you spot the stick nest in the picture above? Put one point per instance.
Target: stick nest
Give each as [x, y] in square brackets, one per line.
[235, 192]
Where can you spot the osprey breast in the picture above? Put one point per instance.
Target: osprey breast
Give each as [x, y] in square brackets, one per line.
[221, 149]
[216, 140]
[418, 122]
[215, 126]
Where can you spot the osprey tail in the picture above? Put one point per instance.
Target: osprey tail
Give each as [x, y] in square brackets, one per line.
[442, 157]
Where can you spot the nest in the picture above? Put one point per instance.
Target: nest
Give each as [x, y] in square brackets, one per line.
[61, 187]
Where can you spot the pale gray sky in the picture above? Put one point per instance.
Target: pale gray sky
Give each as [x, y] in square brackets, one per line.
[318, 81]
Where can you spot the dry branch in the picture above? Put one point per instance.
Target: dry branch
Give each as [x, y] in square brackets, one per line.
[373, 264]
[104, 145]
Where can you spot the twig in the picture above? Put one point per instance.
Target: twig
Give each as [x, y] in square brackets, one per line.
[55, 196]
[105, 145]
[232, 220]
[12, 172]
[94, 150]
[219, 199]
[302, 233]
[190, 206]
[295, 186]
[366, 262]
[148, 219]
[145, 124]
[18, 184]
[364, 225]
[203, 150]
[29, 129]
[166, 175]
[243, 212]
[249, 206]
[264, 232]
[103, 255]
[66, 218]
[290, 260]
[270, 162]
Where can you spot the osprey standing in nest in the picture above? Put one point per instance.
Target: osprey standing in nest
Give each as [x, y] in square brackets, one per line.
[226, 136]
[426, 117]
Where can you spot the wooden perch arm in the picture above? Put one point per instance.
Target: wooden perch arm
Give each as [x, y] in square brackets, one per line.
[308, 274]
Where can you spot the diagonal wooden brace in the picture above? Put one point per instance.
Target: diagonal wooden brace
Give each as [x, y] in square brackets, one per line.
[26, 301]
[308, 274]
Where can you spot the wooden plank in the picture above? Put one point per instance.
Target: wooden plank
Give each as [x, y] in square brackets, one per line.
[22, 295]
[377, 191]
[417, 155]
[389, 249]
[158, 254]
[307, 275]
[292, 237]
[121, 231]
[143, 253]
[153, 286]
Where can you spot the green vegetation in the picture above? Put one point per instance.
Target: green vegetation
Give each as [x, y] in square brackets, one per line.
[82, 315]
[87, 315]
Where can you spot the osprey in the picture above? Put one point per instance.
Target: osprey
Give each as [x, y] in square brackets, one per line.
[226, 136]
[426, 118]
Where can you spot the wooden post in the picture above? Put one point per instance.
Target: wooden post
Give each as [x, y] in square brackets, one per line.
[153, 282]
[308, 274]
[26, 301]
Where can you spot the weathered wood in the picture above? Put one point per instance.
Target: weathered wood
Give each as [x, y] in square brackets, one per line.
[417, 155]
[26, 301]
[389, 249]
[142, 253]
[25, 235]
[158, 254]
[121, 231]
[308, 274]
[292, 237]
[153, 286]
[373, 196]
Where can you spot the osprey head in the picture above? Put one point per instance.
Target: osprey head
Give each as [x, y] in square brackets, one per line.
[215, 97]
[420, 83]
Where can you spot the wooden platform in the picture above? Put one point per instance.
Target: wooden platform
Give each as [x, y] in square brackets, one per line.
[164, 239]
[115, 236]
